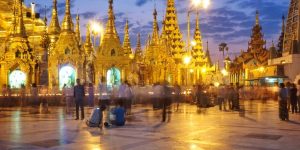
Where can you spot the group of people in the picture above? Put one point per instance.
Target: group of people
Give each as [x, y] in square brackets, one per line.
[228, 96]
[289, 99]
[106, 99]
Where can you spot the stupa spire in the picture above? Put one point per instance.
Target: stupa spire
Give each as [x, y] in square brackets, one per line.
[155, 36]
[88, 46]
[20, 28]
[138, 45]
[138, 49]
[77, 29]
[257, 18]
[67, 24]
[110, 26]
[198, 47]
[257, 42]
[172, 29]
[209, 62]
[126, 42]
[54, 27]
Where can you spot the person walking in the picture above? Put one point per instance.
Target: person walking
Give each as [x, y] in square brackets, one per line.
[293, 97]
[282, 96]
[91, 97]
[79, 97]
[288, 88]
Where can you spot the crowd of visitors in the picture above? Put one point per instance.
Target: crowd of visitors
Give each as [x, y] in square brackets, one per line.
[162, 96]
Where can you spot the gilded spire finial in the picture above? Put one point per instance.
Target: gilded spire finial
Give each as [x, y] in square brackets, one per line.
[155, 36]
[257, 18]
[77, 29]
[126, 42]
[20, 28]
[138, 45]
[88, 42]
[138, 49]
[54, 27]
[67, 24]
[110, 27]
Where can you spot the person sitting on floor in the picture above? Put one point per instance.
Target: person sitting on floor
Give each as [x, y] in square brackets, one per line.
[119, 113]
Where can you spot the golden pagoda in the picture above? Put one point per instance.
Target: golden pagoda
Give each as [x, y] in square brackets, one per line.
[65, 58]
[158, 57]
[21, 34]
[56, 55]
[112, 60]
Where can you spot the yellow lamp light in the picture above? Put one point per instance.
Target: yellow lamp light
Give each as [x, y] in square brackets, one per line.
[224, 72]
[196, 2]
[96, 27]
[187, 60]
[206, 3]
[203, 70]
[216, 84]
[194, 43]
[191, 70]
[261, 69]
[131, 56]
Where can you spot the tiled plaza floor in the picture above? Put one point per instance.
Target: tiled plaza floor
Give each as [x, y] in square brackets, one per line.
[256, 128]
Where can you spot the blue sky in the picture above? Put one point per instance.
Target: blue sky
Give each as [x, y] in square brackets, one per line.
[227, 21]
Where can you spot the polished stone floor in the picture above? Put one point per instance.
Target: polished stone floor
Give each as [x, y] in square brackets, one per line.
[189, 128]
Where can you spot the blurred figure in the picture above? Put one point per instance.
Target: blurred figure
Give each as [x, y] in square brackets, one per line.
[34, 95]
[167, 101]
[68, 93]
[125, 94]
[157, 96]
[221, 97]
[23, 95]
[288, 88]
[104, 97]
[177, 96]
[283, 95]
[230, 96]
[128, 98]
[4, 90]
[236, 97]
[34, 99]
[293, 98]
[298, 94]
[91, 97]
[79, 99]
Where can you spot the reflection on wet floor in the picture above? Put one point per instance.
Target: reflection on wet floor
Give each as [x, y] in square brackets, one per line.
[255, 126]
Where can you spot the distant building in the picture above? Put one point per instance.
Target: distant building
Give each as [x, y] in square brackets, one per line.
[290, 60]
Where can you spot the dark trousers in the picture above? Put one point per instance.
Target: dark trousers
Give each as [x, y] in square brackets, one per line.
[79, 103]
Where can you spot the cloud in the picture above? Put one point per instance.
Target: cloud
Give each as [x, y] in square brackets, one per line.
[141, 2]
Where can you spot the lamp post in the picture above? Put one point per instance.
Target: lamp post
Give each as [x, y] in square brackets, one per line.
[186, 60]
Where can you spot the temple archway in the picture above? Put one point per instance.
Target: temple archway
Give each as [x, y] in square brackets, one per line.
[67, 75]
[17, 78]
[113, 76]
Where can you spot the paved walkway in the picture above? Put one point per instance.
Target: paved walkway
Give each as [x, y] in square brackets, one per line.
[257, 128]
